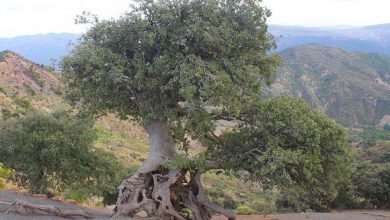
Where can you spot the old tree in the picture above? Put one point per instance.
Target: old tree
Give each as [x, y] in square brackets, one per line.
[178, 66]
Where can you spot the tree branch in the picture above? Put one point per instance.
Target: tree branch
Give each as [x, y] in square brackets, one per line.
[21, 207]
[254, 152]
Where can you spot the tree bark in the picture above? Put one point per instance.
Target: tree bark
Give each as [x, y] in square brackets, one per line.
[161, 146]
[161, 192]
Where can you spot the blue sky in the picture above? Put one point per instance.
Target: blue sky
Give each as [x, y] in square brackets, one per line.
[25, 17]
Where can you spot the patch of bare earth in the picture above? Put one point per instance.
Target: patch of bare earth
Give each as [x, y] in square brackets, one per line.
[342, 215]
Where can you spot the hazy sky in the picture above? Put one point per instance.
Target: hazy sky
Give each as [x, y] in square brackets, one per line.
[24, 17]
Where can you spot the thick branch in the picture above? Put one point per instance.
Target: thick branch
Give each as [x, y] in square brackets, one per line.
[213, 137]
[21, 207]
[254, 152]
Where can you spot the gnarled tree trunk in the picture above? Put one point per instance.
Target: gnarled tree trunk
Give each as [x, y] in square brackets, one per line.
[161, 192]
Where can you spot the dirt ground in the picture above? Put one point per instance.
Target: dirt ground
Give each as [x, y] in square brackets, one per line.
[7, 196]
[343, 215]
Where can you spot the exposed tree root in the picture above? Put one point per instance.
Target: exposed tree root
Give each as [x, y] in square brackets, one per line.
[165, 194]
[24, 207]
[204, 200]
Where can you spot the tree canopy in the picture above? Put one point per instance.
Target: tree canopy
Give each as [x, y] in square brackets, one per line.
[165, 54]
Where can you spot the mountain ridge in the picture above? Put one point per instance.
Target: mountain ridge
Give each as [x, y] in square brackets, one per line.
[42, 48]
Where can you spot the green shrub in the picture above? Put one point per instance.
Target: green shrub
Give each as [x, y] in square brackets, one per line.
[57, 90]
[244, 210]
[4, 174]
[30, 90]
[3, 90]
[36, 77]
[54, 152]
[372, 182]
[77, 194]
[288, 145]
[22, 102]
[372, 134]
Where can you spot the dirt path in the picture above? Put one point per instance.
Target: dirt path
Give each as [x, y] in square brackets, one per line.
[344, 215]
[6, 196]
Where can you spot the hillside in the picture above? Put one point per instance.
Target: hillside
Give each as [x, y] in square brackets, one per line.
[24, 84]
[352, 88]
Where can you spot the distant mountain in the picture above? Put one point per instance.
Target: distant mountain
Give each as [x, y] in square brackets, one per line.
[40, 48]
[374, 39]
[352, 88]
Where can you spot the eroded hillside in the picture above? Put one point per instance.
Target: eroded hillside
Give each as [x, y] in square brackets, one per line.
[352, 88]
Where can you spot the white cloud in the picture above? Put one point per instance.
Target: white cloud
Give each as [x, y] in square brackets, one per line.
[23, 17]
[329, 12]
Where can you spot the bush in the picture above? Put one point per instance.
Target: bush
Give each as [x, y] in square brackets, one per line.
[372, 182]
[22, 102]
[3, 90]
[244, 210]
[288, 145]
[54, 152]
[4, 174]
[36, 77]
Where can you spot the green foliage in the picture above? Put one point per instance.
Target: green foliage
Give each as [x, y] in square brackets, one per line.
[55, 152]
[36, 77]
[4, 174]
[244, 210]
[49, 68]
[3, 90]
[29, 89]
[161, 53]
[287, 144]
[230, 192]
[372, 134]
[57, 90]
[22, 102]
[182, 161]
[6, 113]
[372, 182]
